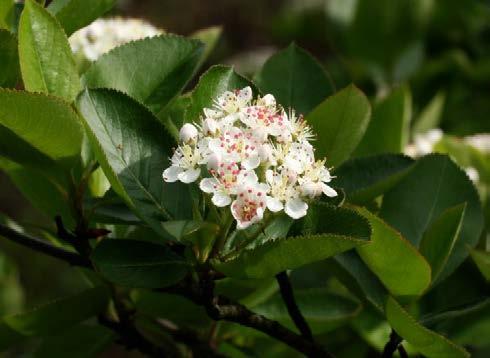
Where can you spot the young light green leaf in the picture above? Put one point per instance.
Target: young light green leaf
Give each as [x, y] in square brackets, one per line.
[429, 343]
[391, 118]
[213, 83]
[39, 119]
[296, 79]
[364, 179]
[482, 260]
[439, 239]
[434, 184]
[431, 114]
[153, 70]
[59, 315]
[320, 307]
[133, 150]
[75, 14]
[140, 264]
[325, 231]
[390, 257]
[9, 70]
[340, 122]
[46, 60]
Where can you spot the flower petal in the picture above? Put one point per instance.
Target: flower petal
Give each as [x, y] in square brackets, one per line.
[274, 204]
[220, 199]
[328, 191]
[251, 162]
[189, 176]
[208, 185]
[296, 208]
[170, 174]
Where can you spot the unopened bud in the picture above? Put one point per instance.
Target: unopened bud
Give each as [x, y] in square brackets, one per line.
[188, 133]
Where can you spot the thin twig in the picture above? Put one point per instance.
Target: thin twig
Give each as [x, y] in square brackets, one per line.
[293, 309]
[392, 345]
[43, 246]
[402, 351]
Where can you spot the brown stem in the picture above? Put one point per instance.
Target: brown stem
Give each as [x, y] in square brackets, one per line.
[392, 345]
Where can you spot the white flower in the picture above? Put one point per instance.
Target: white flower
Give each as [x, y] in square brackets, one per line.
[284, 194]
[249, 205]
[314, 180]
[188, 133]
[185, 163]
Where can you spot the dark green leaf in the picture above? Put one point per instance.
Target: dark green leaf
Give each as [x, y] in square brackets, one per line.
[296, 79]
[9, 58]
[340, 122]
[439, 239]
[75, 14]
[389, 126]
[153, 70]
[39, 120]
[434, 184]
[133, 149]
[59, 315]
[213, 83]
[390, 257]
[482, 260]
[320, 307]
[364, 179]
[429, 343]
[46, 59]
[135, 263]
[7, 14]
[77, 342]
[326, 231]
[456, 312]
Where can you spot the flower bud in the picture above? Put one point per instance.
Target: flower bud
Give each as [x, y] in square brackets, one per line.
[188, 133]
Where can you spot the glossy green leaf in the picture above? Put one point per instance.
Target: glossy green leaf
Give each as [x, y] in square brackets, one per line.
[61, 314]
[364, 179]
[46, 60]
[75, 14]
[320, 307]
[431, 114]
[153, 70]
[77, 342]
[39, 119]
[326, 231]
[429, 343]
[296, 79]
[340, 122]
[390, 119]
[7, 14]
[135, 263]
[482, 260]
[133, 150]
[433, 185]
[390, 257]
[213, 83]
[439, 239]
[9, 70]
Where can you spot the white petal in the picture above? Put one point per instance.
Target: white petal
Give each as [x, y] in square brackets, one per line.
[274, 204]
[245, 95]
[220, 199]
[296, 208]
[328, 191]
[187, 133]
[248, 178]
[251, 162]
[208, 185]
[170, 174]
[189, 176]
[269, 100]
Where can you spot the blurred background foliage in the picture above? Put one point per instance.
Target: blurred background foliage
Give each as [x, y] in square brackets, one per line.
[439, 50]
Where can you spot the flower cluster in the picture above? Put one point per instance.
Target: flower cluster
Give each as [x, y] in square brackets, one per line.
[103, 35]
[252, 155]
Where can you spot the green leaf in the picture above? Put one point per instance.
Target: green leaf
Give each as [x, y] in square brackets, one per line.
[320, 307]
[456, 313]
[46, 60]
[7, 14]
[434, 184]
[430, 116]
[390, 119]
[153, 70]
[9, 58]
[390, 257]
[8, 337]
[133, 149]
[296, 79]
[61, 314]
[138, 264]
[429, 343]
[75, 14]
[77, 342]
[213, 83]
[326, 231]
[340, 122]
[482, 260]
[39, 119]
[210, 37]
[364, 179]
[439, 239]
